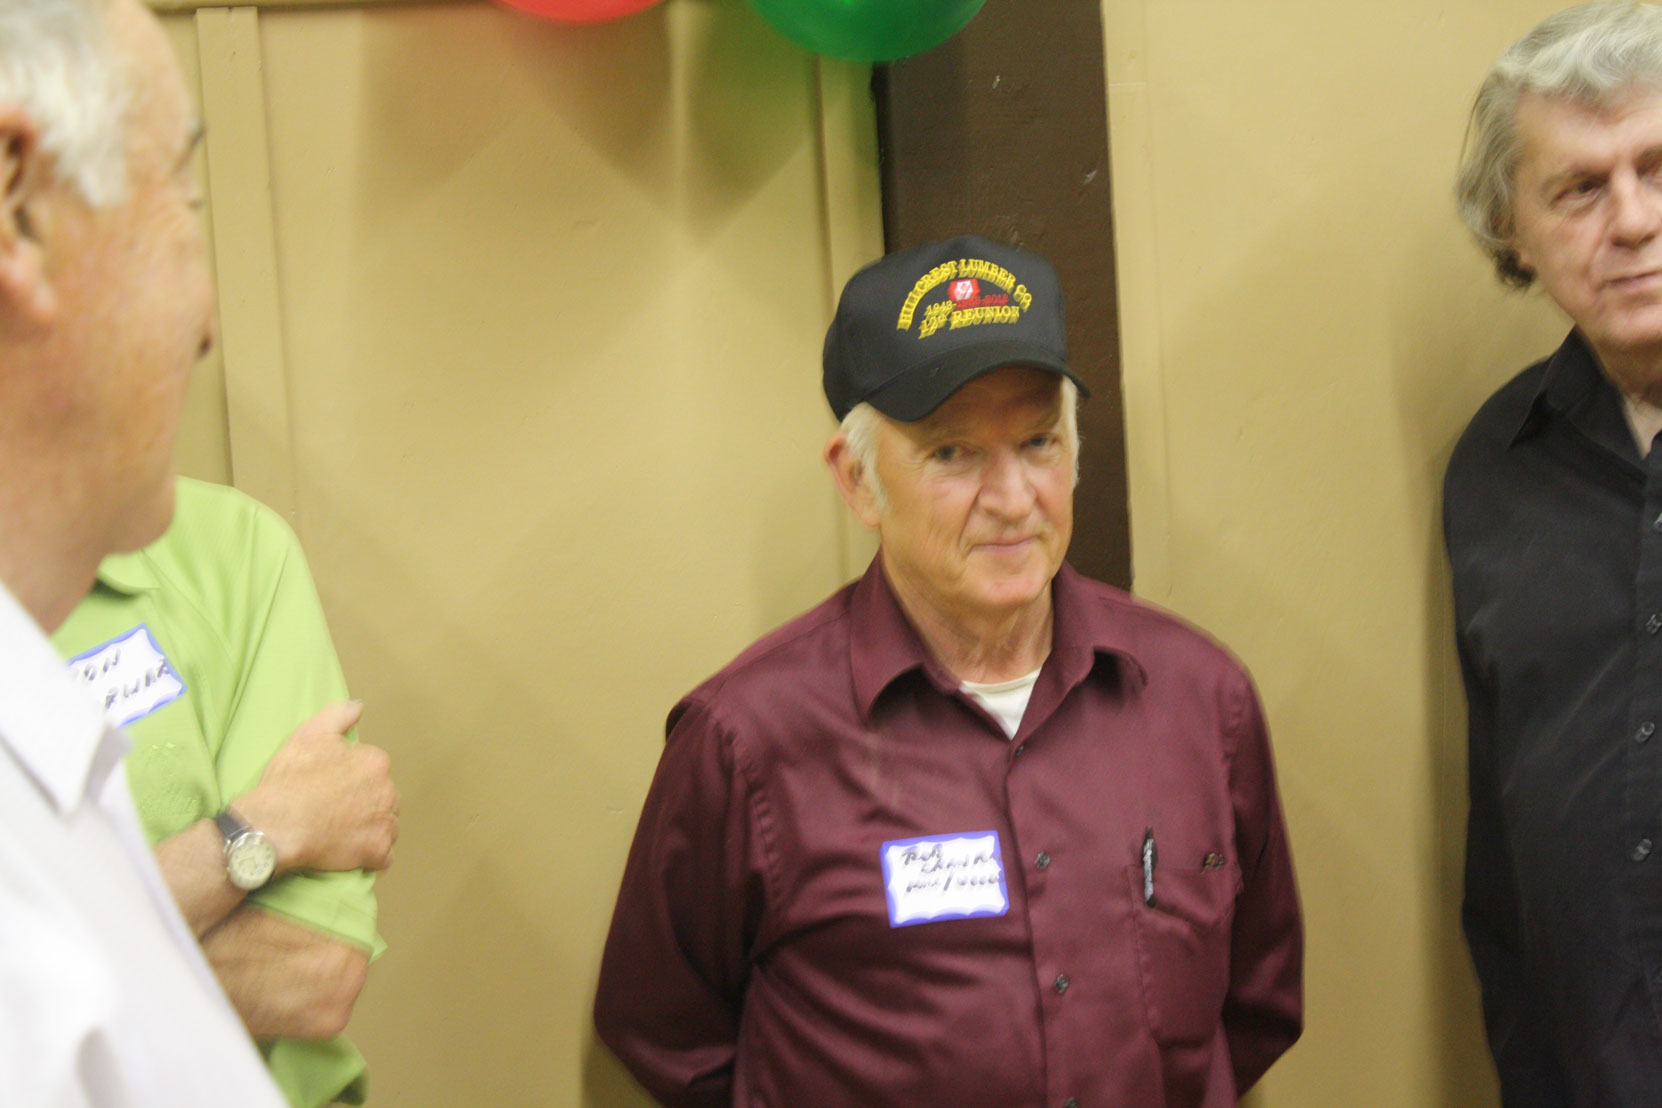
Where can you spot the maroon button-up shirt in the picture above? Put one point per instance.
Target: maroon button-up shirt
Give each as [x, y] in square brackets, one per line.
[757, 958]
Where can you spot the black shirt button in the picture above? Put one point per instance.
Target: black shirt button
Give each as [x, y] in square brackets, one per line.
[1061, 983]
[1641, 850]
[1646, 730]
[1070, 1103]
[1022, 749]
[1653, 624]
[1042, 861]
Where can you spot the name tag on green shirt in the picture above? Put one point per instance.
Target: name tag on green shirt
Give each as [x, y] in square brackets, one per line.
[130, 676]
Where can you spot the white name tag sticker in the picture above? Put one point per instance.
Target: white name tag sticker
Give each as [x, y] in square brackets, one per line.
[130, 676]
[940, 877]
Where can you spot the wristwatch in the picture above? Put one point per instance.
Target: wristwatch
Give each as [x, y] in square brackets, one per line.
[250, 859]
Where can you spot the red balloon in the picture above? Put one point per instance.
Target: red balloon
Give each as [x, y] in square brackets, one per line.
[581, 11]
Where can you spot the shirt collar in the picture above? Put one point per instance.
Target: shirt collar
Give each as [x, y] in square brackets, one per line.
[53, 728]
[128, 574]
[1574, 388]
[883, 644]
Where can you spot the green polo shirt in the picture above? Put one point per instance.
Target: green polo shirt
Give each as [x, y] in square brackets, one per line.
[211, 647]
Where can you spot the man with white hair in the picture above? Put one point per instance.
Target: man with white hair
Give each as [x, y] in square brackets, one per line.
[105, 304]
[1553, 521]
[976, 832]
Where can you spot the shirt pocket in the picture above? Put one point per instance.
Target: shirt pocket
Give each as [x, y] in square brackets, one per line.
[1183, 941]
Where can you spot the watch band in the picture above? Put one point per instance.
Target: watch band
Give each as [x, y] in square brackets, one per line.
[230, 824]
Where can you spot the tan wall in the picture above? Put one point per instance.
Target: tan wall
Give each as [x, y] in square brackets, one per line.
[522, 327]
[1306, 331]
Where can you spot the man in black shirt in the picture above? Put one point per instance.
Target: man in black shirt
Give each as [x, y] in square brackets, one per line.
[1553, 518]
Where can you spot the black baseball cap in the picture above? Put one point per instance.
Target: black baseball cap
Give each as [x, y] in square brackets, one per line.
[914, 327]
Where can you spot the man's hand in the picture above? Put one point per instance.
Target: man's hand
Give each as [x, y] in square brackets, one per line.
[326, 803]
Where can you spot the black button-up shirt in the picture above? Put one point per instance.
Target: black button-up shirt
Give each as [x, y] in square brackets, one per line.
[1554, 531]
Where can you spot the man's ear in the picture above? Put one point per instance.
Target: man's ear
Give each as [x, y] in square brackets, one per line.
[25, 291]
[853, 482]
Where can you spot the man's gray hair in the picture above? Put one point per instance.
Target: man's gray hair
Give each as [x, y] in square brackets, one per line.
[861, 423]
[58, 65]
[1588, 55]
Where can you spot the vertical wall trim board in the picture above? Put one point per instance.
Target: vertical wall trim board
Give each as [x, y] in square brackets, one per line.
[245, 256]
[1136, 242]
[850, 191]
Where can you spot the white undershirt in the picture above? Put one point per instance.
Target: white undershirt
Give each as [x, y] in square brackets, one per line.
[1005, 700]
[1644, 419]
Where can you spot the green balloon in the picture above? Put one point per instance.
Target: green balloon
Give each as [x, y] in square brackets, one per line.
[868, 30]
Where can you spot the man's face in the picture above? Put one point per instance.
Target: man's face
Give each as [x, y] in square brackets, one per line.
[1587, 216]
[979, 498]
[134, 297]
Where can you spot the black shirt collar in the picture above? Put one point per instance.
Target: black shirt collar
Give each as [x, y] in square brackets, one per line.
[1575, 390]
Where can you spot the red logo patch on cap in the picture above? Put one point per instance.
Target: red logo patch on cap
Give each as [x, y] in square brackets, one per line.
[965, 305]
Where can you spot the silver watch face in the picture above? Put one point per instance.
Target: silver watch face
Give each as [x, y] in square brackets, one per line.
[250, 860]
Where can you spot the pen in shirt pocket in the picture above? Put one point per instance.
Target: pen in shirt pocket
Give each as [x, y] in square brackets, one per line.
[1148, 866]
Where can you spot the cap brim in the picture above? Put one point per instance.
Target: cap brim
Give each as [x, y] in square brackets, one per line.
[913, 395]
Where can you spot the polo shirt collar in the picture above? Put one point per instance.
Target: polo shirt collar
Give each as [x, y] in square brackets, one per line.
[883, 644]
[51, 727]
[128, 574]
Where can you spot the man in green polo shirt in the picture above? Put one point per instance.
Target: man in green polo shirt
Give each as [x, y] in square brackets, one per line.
[210, 647]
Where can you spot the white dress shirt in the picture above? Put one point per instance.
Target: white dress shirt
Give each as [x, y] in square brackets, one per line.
[105, 997]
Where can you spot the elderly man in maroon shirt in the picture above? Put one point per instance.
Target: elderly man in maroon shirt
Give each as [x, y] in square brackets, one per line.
[976, 832]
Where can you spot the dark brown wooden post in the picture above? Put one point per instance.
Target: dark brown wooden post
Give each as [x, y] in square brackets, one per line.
[1003, 130]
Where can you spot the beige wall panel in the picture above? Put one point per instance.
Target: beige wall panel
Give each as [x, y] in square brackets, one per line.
[1306, 332]
[204, 448]
[553, 300]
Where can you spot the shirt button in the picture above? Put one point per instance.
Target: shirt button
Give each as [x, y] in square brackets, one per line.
[1070, 1103]
[1653, 624]
[1646, 730]
[1042, 861]
[1641, 850]
[1656, 524]
[1022, 749]
[1061, 983]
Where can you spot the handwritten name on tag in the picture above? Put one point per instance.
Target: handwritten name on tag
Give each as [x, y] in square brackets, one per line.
[130, 676]
[939, 877]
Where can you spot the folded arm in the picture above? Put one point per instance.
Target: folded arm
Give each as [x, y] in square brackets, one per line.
[326, 804]
[285, 978]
